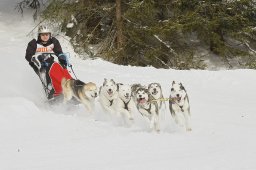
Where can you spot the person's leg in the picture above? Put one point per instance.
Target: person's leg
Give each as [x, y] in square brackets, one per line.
[49, 85]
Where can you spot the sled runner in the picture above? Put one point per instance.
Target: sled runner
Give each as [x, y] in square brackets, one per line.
[50, 74]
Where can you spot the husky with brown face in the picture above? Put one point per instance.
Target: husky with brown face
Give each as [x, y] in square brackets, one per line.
[148, 107]
[85, 93]
[179, 105]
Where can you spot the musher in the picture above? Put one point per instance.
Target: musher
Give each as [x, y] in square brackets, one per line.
[43, 48]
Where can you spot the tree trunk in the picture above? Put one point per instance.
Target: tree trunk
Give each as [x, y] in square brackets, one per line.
[119, 24]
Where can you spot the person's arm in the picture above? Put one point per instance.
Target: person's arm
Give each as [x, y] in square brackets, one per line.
[57, 47]
[31, 50]
[58, 52]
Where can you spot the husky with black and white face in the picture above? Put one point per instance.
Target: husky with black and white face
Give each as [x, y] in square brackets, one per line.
[134, 88]
[107, 95]
[179, 105]
[148, 107]
[155, 90]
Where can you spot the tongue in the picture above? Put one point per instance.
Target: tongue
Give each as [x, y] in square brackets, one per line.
[109, 93]
[141, 101]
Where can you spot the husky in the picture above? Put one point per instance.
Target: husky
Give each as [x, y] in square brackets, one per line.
[108, 95]
[85, 93]
[155, 90]
[147, 107]
[134, 88]
[124, 105]
[179, 105]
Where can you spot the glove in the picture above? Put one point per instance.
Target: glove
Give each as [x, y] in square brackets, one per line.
[63, 60]
[41, 58]
[34, 67]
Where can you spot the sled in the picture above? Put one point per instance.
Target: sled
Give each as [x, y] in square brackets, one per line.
[50, 74]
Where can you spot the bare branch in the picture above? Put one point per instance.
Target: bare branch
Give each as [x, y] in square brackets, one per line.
[33, 4]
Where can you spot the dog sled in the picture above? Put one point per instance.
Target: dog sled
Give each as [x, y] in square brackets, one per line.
[50, 73]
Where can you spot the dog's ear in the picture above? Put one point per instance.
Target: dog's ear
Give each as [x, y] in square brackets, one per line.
[105, 81]
[137, 89]
[118, 85]
[173, 82]
[159, 85]
[150, 85]
[134, 88]
[182, 87]
[113, 81]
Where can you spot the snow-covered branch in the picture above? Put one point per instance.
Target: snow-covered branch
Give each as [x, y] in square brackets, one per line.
[250, 48]
[166, 44]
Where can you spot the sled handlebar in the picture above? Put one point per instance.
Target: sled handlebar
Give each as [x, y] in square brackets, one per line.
[39, 59]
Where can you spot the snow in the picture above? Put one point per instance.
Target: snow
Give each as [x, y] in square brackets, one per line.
[37, 136]
[70, 25]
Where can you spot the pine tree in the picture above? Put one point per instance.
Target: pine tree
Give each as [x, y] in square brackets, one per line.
[164, 33]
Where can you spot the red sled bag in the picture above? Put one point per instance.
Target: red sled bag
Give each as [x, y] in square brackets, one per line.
[56, 74]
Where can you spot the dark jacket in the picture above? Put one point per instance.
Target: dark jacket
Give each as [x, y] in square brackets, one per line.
[32, 45]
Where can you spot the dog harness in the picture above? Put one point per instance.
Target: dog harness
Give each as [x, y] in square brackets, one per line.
[111, 102]
[174, 102]
[126, 104]
[77, 84]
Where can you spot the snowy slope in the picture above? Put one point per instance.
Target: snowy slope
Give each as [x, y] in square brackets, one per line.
[36, 136]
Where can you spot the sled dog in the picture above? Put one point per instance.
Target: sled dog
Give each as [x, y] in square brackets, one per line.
[155, 90]
[124, 105]
[179, 105]
[134, 88]
[83, 92]
[147, 107]
[108, 95]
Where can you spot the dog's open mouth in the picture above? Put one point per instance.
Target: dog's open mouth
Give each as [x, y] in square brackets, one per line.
[110, 93]
[141, 100]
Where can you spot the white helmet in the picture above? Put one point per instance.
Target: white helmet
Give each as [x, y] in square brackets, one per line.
[43, 29]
